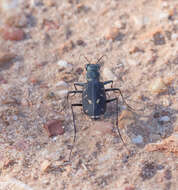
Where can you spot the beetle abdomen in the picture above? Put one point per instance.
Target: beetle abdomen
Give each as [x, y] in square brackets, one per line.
[94, 99]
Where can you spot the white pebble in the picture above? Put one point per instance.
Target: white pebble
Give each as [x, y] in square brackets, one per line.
[8, 5]
[108, 74]
[140, 21]
[138, 139]
[163, 15]
[62, 93]
[62, 84]
[15, 118]
[132, 62]
[7, 182]
[157, 86]
[174, 36]
[64, 64]
[164, 118]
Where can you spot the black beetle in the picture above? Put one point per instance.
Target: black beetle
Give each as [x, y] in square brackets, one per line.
[94, 99]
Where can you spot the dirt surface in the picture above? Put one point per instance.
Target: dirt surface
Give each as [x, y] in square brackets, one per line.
[43, 44]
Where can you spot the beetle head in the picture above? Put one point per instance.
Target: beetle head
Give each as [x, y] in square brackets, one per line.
[92, 72]
[92, 67]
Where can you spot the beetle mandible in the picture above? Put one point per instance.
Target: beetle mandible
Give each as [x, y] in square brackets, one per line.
[94, 101]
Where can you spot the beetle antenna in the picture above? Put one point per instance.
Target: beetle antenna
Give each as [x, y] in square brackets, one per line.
[100, 58]
[87, 59]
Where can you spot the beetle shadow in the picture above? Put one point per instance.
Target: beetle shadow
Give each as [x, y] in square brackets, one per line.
[151, 127]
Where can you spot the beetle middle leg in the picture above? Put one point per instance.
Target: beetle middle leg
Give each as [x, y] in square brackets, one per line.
[117, 89]
[116, 123]
[78, 84]
[108, 82]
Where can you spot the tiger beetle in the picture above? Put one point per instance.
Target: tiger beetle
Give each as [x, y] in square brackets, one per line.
[94, 99]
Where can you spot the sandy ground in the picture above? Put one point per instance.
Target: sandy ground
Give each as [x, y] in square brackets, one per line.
[43, 44]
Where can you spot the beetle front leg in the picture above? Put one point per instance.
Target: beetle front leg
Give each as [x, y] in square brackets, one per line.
[78, 84]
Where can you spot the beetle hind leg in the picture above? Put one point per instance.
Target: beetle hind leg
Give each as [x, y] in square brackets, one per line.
[116, 123]
[74, 126]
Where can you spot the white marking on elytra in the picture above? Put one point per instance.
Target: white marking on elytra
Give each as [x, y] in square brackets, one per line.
[97, 101]
[89, 101]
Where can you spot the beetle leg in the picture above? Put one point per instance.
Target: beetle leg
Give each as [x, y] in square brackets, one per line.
[78, 84]
[117, 89]
[116, 123]
[75, 130]
[107, 82]
[73, 92]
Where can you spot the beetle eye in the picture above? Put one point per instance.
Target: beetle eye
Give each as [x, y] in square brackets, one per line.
[98, 67]
[86, 66]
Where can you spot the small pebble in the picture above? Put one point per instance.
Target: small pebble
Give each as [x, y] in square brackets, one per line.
[16, 20]
[174, 36]
[108, 74]
[154, 137]
[12, 34]
[6, 57]
[129, 188]
[64, 64]
[132, 62]
[157, 86]
[169, 79]
[66, 47]
[163, 15]
[8, 163]
[54, 128]
[45, 166]
[138, 21]
[148, 170]
[138, 139]
[169, 144]
[80, 42]
[61, 93]
[164, 119]
[159, 39]
[113, 34]
[61, 84]
[9, 5]
[49, 3]
[8, 182]
[15, 118]
[168, 174]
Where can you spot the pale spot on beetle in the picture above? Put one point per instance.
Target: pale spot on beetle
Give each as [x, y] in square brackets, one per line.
[97, 101]
[89, 101]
